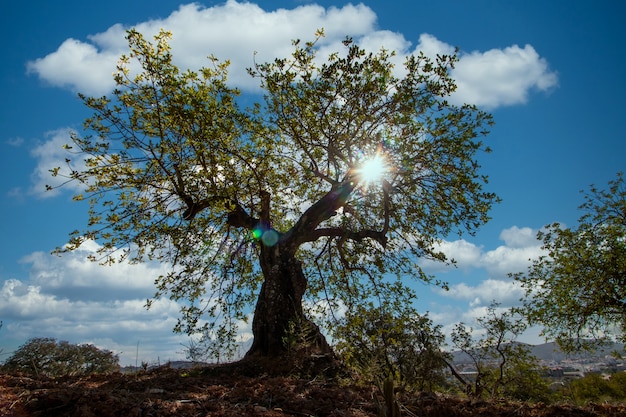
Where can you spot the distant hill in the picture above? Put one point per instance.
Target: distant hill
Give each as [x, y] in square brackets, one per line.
[551, 352]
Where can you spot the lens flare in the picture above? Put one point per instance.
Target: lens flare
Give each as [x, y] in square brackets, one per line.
[372, 169]
[269, 237]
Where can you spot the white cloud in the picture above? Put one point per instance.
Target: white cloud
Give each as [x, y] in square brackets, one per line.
[76, 277]
[431, 46]
[466, 255]
[236, 31]
[483, 278]
[501, 77]
[51, 154]
[71, 298]
[77, 64]
[506, 292]
[504, 260]
[520, 246]
[233, 31]
[515, 237]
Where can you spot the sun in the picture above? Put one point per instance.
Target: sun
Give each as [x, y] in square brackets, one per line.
[372, 169]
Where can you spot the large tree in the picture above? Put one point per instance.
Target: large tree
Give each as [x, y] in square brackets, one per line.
[577, 291]
[321, 195]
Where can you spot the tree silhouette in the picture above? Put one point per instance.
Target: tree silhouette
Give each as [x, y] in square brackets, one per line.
[275, 203]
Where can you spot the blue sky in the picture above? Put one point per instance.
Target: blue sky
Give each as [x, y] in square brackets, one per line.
[552, 73]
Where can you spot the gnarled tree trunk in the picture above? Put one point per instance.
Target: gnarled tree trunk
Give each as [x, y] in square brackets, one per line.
[280, 325]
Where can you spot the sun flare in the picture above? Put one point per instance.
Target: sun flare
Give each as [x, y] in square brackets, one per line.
[372, 169]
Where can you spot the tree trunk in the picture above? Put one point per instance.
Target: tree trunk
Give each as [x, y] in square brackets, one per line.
[280, 326]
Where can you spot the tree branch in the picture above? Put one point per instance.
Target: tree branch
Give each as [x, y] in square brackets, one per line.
[238, 217]
[322, 210]
[378, 236]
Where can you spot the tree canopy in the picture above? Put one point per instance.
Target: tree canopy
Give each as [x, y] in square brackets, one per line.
[47, 357]
[577, 291]
[276, 202]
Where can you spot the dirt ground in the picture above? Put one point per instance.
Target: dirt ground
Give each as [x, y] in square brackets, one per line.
[242, 390]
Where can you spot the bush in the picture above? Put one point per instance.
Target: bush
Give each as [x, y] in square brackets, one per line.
[618, 385]
[47, 357]
[504, 367]
[398, 343]
[596, 388]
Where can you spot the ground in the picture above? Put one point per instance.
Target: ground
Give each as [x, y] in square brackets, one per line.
[243, 389]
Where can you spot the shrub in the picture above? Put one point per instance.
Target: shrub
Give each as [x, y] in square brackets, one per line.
[596, 388]
[398, 343]
[504, 367]
[47, 357]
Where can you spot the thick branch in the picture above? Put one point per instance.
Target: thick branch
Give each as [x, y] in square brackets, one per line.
[378, 236]
[238, 217]
[322, 210]
[193, 207]
[265, 207]
[386, 209]
[457, 375]
[321, 175]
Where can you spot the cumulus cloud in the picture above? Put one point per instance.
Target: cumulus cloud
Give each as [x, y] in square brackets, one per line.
[507, 292]
[77, 278]
[515, 237]
[501, 77]
[71, 298]
[504, 260]
[431, 46]
[520, 246]
[244, 32]
[77, 64]
[234, 31]
[484, 278]
[465, 254]
[51, 154]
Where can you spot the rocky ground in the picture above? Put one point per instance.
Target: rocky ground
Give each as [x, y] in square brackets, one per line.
[242, 389]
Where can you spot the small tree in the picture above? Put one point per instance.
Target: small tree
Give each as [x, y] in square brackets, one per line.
[195, 351]
[47, 357]
[392, 340]
[502, 365]
[577, 292]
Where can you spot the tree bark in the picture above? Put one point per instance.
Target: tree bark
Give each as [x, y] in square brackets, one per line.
[279, 325]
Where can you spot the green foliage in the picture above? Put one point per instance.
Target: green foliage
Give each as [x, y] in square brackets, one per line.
[578, 290]
[521, 378]
[47, 357]
[299, 335]
[177, 172]
[504, 368]
[206, 347]
[598, 388]
[393, 341]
